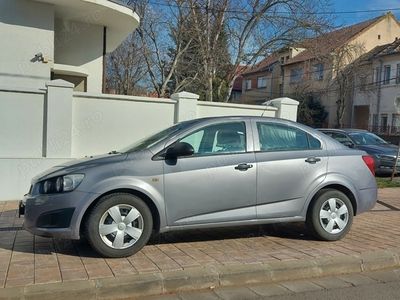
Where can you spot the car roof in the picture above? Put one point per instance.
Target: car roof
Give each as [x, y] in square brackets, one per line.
[343, 130]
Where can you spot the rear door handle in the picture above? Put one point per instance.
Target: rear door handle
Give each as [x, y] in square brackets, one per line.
[313, 160]
[243, 167]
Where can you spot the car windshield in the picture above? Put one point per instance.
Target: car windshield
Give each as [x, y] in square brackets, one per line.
[150, 141]
[366, 138]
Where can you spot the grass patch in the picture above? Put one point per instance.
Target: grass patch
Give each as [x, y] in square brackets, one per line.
[386, 183]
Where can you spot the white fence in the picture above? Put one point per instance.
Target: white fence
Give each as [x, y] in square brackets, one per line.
[43, 128]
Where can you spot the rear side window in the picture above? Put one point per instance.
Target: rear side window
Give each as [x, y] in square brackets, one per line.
[279, 137]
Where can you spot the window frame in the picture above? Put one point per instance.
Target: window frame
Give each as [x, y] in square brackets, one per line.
[257, 145]
[247, 87]
[387, 70]
[249, 139]
[296, 74]
[318, 70]
[264, 79]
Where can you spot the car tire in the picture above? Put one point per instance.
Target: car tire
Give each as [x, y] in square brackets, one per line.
[330, 216]
[119, 225]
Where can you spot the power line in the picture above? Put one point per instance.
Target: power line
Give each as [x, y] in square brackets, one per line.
[279, 12]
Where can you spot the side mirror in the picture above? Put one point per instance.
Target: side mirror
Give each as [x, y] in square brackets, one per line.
[178, 150]
[348, 144]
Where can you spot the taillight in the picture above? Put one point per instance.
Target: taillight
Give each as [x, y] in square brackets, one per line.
[369, 161]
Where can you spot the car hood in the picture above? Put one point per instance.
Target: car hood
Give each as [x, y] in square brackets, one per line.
[387, 149]
[78, 165]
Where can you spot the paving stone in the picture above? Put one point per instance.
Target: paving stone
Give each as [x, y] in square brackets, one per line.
[235, 293]
[357, 279]
[269, 290]
[203, 295]
[331, 282]
[301, 286]
[384, 276]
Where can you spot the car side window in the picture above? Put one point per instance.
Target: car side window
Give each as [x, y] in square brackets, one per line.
[280, 137]
[340, 137]
[218, 139]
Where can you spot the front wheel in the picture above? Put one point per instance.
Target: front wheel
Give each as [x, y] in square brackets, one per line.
[119, 225]
[330, 215]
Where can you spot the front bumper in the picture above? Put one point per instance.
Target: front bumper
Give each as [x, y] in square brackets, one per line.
[54, 215]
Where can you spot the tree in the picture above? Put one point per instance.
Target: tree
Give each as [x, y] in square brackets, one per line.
[345, 66]
[125, 68]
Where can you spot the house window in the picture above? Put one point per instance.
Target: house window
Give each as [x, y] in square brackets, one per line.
[375, 122]
[363, 83]
[296, 75]
[384, 122]
[395, 124]
[386, 75]
[318, 71]
[379, 36]
[261, 82]
[398, 74]
[377, 76]
[248, 84]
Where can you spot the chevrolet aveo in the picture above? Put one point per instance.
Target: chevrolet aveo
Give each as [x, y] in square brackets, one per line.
[225, 171]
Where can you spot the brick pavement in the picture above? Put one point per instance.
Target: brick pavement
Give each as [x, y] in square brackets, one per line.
[26, 259]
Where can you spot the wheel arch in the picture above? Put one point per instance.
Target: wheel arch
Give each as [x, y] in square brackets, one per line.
[335, 186]
[146, 199]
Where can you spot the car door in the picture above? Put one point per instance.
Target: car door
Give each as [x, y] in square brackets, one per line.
[218, 182]
[290, 163]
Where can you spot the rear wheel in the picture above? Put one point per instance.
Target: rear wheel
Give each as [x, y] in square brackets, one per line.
[330, 215]
[119, 225]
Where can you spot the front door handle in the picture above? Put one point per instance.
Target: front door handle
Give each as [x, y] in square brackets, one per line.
[243, 167]
[313, 160]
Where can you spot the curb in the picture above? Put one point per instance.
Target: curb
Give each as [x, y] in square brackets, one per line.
[207, 277]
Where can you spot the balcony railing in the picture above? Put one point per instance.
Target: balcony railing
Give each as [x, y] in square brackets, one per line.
[385, 130]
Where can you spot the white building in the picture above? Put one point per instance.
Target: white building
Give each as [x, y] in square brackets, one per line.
[60, 39]
[376, 102]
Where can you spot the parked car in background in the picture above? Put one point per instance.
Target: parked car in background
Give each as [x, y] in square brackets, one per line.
[384, 153]
[223, 171]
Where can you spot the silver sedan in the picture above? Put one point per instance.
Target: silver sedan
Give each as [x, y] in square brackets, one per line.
[210, 172]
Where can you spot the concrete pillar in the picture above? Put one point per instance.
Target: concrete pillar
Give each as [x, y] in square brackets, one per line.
[287, 108]
[186, 108]
[57, 135]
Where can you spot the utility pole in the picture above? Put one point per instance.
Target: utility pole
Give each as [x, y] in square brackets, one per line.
[396, 161]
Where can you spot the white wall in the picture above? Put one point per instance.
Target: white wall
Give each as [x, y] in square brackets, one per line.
[81, 45]
[21, 123]
[26, 28]
[102, 123]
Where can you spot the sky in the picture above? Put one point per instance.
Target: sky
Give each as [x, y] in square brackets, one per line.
[357, 5]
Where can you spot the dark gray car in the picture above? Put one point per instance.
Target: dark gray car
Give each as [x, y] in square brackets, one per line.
[384, 153]
[204, 173]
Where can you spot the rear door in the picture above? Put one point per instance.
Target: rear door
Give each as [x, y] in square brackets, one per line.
[290, 162]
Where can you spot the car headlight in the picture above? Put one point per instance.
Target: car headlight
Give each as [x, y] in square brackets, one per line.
[60, 184]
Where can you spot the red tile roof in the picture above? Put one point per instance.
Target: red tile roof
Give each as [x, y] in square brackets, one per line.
[263, 65]
[326, 43]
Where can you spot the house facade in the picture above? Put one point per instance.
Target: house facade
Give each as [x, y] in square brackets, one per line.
[376, 103]
[311, 67]
[60, 39]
